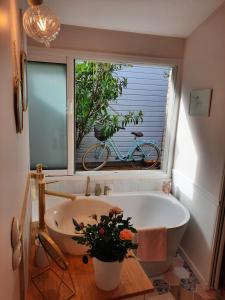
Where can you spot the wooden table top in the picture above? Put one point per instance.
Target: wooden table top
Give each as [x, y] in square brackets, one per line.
[134, 281]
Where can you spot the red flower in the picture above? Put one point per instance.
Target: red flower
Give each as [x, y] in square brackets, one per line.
[101, 231]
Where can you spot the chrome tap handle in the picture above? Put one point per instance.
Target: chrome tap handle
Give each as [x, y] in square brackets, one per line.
[107, 189]
[87, 192]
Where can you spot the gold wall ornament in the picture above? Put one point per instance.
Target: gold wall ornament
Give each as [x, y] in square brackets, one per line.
[18, 104]
[16, 243]
[40, 23]
[23, 66]
[17, 95]
[24, 82]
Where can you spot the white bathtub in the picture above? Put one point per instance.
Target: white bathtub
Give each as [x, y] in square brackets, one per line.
[151, 209]
[155, 209]
[59, 221]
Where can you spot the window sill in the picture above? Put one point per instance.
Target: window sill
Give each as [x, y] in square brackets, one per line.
[154, 174]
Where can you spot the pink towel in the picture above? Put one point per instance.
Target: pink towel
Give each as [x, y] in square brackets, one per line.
[152, 244]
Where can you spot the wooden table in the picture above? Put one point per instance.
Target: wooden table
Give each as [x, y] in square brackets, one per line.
[134, 281]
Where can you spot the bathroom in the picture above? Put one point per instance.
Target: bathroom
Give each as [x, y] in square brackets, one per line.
[187, 37]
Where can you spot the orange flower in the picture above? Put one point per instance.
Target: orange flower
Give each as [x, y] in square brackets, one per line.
[115, 210]
[126, 234]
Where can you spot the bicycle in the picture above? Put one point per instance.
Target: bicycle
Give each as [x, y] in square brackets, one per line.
[142, 154]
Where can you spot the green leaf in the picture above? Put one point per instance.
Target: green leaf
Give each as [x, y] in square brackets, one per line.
[85, 259]
[97, 86]
[75, 223]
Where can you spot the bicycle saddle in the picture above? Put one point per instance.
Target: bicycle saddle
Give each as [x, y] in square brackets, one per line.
[137, 133]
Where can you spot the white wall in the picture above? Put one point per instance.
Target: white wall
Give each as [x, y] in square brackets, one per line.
[14, 150]
[116, 42]
[200, 145]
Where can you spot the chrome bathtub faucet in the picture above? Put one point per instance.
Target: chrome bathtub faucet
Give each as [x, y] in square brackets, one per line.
[107, 189]
[87, 191]
[98, 189]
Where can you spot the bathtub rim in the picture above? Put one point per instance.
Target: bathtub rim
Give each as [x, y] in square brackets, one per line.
[51, 210]
[102, 198]
[169, 197]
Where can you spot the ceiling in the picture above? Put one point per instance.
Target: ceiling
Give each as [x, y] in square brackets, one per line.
[160, 17]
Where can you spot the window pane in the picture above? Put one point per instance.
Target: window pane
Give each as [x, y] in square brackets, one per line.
[47, 114]
[110, 96]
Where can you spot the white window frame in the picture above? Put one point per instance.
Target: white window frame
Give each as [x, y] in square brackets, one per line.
[68, 57]
[69, 62]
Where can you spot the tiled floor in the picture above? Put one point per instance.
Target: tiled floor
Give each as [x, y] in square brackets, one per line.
[166, 296]
[179, 283]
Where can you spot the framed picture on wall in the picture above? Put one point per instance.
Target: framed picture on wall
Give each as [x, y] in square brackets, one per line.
[200, 102]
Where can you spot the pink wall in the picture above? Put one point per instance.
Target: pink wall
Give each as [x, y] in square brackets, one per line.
[117, 42]
[200, 146]
[14, 149]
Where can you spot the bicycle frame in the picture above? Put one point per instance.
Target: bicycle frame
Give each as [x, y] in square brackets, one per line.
[128, 157]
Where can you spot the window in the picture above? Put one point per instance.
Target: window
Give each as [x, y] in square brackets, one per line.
[143, 101]
[47, 115]
[138, 91]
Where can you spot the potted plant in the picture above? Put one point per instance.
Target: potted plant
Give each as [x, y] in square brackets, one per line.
[108, 241]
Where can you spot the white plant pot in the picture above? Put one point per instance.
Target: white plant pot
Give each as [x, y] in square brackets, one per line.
[107, 274]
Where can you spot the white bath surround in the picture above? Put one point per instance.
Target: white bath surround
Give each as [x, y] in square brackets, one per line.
[119, 182]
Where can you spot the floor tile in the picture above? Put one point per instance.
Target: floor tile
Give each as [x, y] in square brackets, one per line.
[171, 278]
[188, 283]
[166, 296]
[180, 282]
[186, 295]
[205, 294]
[197, 297]
[161, 286]
[154, 293]
[181, 272]
[177, 262]
[175, 291]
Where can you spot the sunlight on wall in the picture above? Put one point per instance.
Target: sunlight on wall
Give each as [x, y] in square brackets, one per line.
[187, 158]
[3, 20]
[14, 28]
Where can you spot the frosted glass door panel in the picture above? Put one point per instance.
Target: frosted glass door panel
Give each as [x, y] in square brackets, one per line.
[47, 114]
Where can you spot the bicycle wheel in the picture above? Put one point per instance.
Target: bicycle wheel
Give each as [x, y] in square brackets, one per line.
[95, 157]
[145, 156]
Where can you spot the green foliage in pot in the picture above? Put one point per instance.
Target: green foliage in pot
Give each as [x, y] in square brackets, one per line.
[97, 86]
[110, 238]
